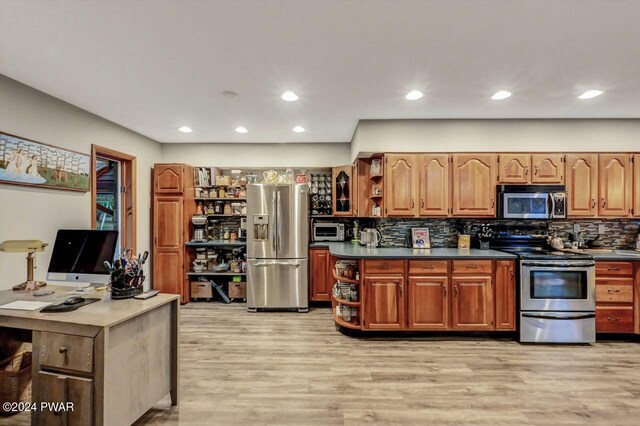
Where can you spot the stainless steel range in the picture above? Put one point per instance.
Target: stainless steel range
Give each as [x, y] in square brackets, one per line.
[557, 291]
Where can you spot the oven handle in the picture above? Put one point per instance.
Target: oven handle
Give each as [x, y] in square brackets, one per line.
[559, 264]
[559, 316]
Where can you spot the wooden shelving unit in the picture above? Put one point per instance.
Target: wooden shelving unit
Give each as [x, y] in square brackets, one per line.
[355, 321]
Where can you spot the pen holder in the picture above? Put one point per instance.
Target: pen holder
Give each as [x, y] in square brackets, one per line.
[124, 286]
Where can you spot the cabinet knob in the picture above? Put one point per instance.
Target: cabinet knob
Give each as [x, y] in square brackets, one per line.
[613, 269]
[62, 349]
[614, 290]
[593, 203]
[384, 267]
[472, 266]
[604, 203]
[613, 318]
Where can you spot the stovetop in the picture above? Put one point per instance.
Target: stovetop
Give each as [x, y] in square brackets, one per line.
[542, 253]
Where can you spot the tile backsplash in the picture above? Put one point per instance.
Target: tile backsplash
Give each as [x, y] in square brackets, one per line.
[619, 233]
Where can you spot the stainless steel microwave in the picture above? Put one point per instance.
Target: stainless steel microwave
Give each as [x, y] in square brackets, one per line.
[326, 231]
[532, 202]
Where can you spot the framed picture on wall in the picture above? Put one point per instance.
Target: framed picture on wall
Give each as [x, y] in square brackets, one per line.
[30, 163]
[420, 238]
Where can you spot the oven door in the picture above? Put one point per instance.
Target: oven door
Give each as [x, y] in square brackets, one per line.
[526, 205]
[557, 286]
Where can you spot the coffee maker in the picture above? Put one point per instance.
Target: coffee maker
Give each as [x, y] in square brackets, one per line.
[199, 228]
[242, 231]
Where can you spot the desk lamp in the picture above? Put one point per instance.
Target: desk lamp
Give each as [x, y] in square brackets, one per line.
[30, 247]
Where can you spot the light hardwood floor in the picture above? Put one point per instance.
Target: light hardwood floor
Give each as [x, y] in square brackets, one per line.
[288, 368]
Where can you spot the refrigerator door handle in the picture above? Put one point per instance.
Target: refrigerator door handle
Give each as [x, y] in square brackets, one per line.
[274, 225]
[278, 230]
[265, 264]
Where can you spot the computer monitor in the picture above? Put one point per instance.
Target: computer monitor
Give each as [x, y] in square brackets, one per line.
[79, 255]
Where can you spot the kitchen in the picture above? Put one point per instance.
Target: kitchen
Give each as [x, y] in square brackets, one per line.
[416, 212]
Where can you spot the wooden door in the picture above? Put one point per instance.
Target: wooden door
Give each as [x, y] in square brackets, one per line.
[428, 303]
[636, 186]
[434, 184]
[582, 184]
[472, 303]
[168, 178]
[343, 193]
[400, 184]
[615, 171]
[474, 185]
[547, 168]
[514, 168]
[505, 295]
[384, 302]
[168, 244]
[321, 279]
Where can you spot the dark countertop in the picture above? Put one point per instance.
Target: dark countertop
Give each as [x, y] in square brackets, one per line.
[351, 251]
[628, 255]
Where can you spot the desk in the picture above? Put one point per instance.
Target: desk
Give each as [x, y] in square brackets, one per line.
[114, 359]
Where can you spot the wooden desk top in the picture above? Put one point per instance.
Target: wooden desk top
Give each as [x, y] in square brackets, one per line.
[87, 320]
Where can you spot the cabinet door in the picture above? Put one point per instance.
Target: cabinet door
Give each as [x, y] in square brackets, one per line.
[168, 178]
[472, 303]
[547, 168]
[582, 184]
[474, 185]
[428, 303]
[400, 184]
[636, 185]
[505, 297]
[342, 198]
[514, 168]
[61, 389]
[321, 279]
[615, 172]
[168, 244]
[434, 184]
[384, 302]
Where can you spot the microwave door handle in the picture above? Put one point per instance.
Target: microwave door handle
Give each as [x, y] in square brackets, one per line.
[552, 205]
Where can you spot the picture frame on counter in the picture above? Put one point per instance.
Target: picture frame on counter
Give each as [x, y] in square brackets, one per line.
[420, 238]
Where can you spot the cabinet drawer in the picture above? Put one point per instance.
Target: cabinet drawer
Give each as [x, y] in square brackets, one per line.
[59, 388]
[471, 267]
[615, 269]
[614, 319]
[67, 352]
[428, 267]
[614, 290]
[383, 266]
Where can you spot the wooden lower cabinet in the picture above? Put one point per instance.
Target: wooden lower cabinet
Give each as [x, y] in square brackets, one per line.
[60, 389]
[320, 276]
[384, 302]
[615, 285]
[428, 303]
[505, 295]
[471, 303]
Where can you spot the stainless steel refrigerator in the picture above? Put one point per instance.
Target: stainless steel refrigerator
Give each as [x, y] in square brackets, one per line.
[277, 246]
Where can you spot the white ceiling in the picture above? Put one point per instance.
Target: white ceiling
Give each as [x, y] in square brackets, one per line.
[153, 66]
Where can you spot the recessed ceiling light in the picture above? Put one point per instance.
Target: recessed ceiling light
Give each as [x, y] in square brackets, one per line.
[414, 95]
[185, 129]
[299, 129]
[500, 95]
[591, 94]
[241, 129]
[289, 96]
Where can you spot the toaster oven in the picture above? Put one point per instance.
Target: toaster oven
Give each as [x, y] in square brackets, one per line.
[326, 231]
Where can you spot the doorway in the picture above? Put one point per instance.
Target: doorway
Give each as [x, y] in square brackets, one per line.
[113, 194]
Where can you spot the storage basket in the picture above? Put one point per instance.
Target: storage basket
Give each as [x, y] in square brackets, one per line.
[15, 380]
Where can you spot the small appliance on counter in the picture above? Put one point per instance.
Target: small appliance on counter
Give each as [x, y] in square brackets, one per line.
[328, 231]
[532, 202]
[370, 237]
[242, 231]
[200, 228]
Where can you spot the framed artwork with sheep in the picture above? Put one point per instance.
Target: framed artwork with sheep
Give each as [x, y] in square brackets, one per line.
[30, 163]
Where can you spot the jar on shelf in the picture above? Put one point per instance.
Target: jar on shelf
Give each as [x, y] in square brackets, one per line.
[227, 208]
[226, 234]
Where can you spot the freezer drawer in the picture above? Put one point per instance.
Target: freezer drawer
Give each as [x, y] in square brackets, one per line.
[558, 327]
[277, 284]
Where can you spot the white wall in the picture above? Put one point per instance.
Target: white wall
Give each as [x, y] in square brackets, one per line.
[495, 135]
[257, 155]
[33, 213]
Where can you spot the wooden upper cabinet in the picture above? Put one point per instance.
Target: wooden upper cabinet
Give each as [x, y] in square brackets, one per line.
[434, 184]
[582, 184]
[474, 185]
[636, 192]
[615, 172]
[401, 185]
[343, 191]
[472, 303]
[514, 168]
[505, 295]
[428, 303]
[547, 168]
[168, 178]
[384, 302]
